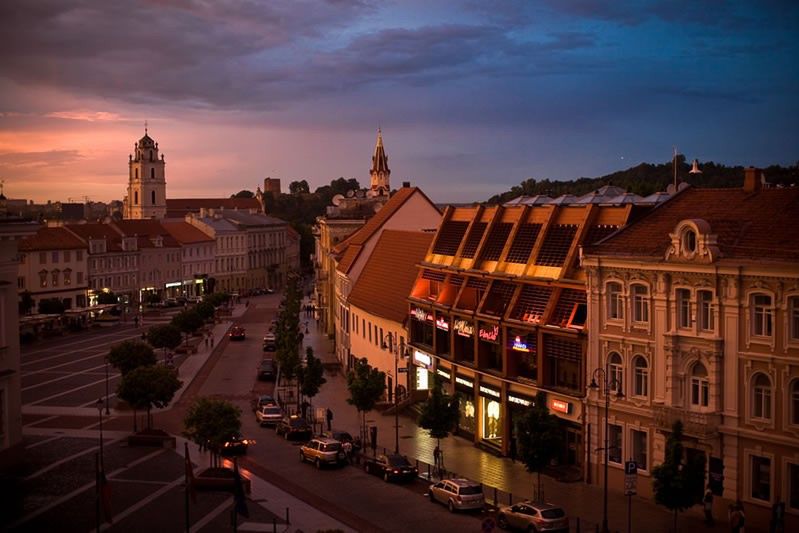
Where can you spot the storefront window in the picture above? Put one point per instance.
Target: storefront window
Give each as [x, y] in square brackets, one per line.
[492, 421]
[442, 336]
[466, 422]
[422, 332]
[614, 443]
[489, 347]
[793, 486]
[463, 341]
[422, 379]
[522, 355]
[639, 448]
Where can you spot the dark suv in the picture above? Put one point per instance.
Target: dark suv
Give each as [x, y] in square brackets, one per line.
[294, 428]
[266, 370]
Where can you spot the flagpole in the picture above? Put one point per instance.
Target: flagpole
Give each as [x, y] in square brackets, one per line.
[97, 491]
[188, 486]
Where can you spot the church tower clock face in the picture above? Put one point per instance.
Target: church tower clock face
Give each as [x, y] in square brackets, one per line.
[146, 196]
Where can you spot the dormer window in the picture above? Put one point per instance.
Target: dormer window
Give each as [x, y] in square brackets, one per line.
[689, 241]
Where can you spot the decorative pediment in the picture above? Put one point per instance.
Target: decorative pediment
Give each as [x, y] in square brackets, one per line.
[692, 242]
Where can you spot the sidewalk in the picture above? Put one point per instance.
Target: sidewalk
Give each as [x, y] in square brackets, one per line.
[464, 458]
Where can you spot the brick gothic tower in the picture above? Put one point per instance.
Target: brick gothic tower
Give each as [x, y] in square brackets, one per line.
[146, 181]
[380, 172]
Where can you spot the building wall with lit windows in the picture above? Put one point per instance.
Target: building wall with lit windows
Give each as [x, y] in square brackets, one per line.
[694, 309]
[498, 311]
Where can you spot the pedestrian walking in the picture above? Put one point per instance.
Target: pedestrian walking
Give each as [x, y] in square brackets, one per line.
[212, 340]
[736, 518]
[136, 321]
[207, 340]
[707, 503]
[329, 417]
[437, 457]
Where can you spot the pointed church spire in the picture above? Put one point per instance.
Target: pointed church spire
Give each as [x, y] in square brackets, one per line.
[379, 159]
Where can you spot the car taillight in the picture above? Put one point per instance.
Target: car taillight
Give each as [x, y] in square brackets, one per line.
[396, 471]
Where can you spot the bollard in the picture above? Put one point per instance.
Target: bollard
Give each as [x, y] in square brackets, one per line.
[274, 525]
[578, 525]
[496, 503]
[428, 473]
[287, 516]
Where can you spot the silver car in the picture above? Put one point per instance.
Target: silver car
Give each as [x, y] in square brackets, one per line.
[530, 516]
[269, 415]
[457, 494]
[322, 450]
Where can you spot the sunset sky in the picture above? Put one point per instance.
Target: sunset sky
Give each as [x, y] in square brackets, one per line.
[472, 96]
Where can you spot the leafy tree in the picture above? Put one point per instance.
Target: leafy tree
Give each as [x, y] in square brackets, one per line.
[678, 485]
[164, 336]
[107, 298]
[149, 386]
[129, 355]
[366, 386]
[51, 306]
[299, 187]
[243, 194]
[25, 303]
[287, 333]
[211, 421]
[206, 310]
[539, 438]
[216, 298]
[311, 376]
[440, 413]
[188, 321]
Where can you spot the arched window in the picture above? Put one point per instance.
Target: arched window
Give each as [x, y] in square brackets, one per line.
[640, 376]
[761, 397]
[700, 386]
[793, 318]
[152, 197]
[795, 402]
[640, 296]
[135, 197]
[151, 155]
[615, 372]
[761, 315]
[615, 302]
[152, 173]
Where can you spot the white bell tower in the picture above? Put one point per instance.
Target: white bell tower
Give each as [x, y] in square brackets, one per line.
[146, 181]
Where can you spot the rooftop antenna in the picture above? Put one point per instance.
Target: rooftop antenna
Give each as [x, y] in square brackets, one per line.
[145, 127]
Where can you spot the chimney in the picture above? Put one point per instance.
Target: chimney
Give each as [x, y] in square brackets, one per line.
[406, 184]
[753, 179]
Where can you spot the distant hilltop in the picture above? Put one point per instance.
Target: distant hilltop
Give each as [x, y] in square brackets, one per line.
[648, 178]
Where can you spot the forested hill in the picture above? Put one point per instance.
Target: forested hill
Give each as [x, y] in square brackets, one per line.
[647, 178]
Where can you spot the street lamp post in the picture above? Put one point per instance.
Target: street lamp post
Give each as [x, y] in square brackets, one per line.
[107, 411]
[99, 404]
[396, 349]
[604, 386]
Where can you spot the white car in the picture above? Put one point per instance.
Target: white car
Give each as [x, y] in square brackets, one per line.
[457, 494]
[269, 415]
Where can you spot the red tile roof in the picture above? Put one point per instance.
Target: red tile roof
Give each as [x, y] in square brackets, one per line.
[51, 239]
[96, 230]
[372, 226]
[388, 277]
[750, 225]
[185, 233]
[148, 228]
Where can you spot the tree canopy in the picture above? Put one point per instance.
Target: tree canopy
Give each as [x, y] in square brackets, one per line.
[25, 303]
[164, 336]
[206, 310]
[51, 306]
[107, 298]
[539, 437]
[439, 414]
[149, 386]
[243, 194]
[209, 422]
[188, 321]
[678, 485]
[131, 354]
[366, 386]
[311, 375]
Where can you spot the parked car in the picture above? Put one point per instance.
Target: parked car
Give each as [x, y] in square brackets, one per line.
[269, 291]
[391, 467]
[181, 300]
[269, 415]
[294, 427]
[237, 333]
[262, 400]
[171, 302]
[530, 516]
[270, 342]
[195, 299]
[457, 494]
[323, 451]
[236, 444]
[342, 437]
[266, 370]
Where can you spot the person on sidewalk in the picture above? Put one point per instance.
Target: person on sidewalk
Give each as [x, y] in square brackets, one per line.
[329, 417]
[707, 503]
[206, 342]
[212, 340]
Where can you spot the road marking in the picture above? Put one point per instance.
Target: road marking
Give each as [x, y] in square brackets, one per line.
[40, 421]
[69, 458]
[210, 516]
[105, 346]
[93, 337]
[141, 503]
[87, 486]
[87, 371]
[70, 391]
[45, 441]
